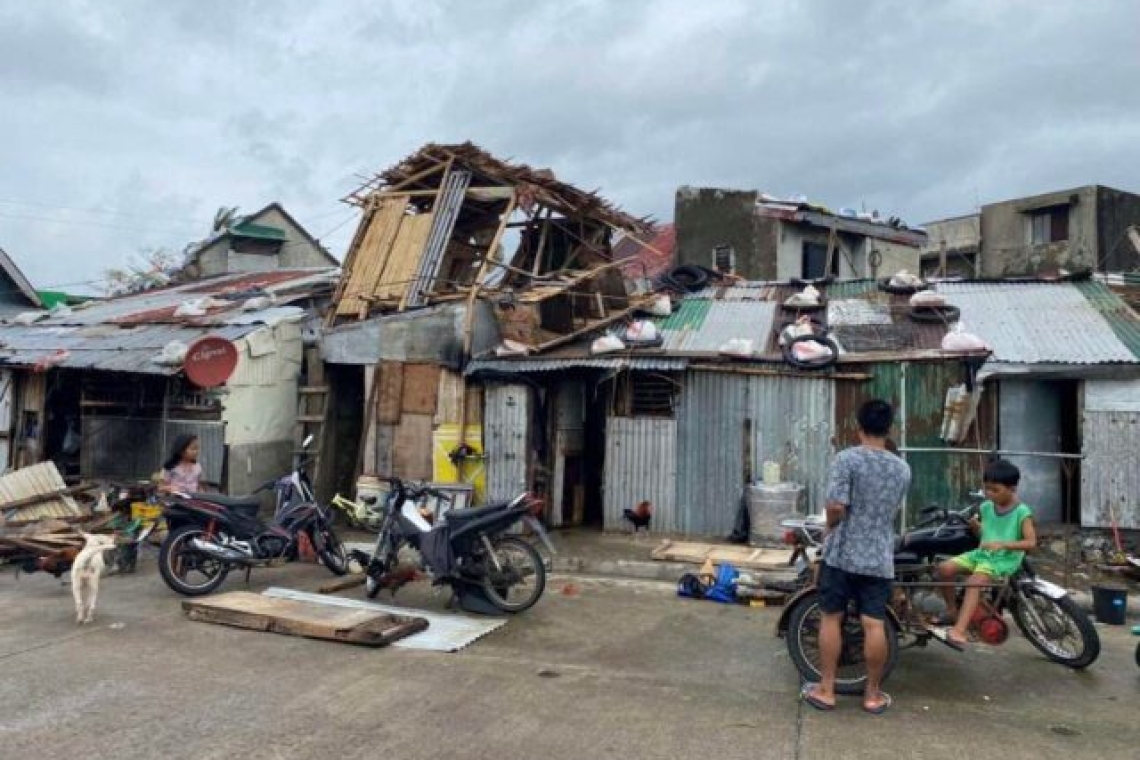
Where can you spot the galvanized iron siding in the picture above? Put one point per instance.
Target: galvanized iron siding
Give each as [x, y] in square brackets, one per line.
[506, 436]
[710, 452]
[1110, 479]
[641, 465]
[539, 364]
[791, 424]
[936, 478]
[1028, 323]
[129, 448]
[1115, 311]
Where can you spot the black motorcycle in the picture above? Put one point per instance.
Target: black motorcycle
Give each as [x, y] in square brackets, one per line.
[210, 534]
[1044, 612]
[467, 550]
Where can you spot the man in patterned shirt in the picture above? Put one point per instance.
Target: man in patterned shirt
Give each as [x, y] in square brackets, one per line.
[866, 487]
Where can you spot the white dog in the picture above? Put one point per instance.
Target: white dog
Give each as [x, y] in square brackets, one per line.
[85, 574]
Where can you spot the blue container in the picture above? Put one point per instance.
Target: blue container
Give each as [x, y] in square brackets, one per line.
[1110, 604]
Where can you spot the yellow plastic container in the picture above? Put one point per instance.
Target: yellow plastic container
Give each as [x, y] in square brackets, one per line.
[471, 471]
[148, 513]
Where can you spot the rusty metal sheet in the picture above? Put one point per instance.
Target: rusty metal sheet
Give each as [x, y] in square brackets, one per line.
[641, 465]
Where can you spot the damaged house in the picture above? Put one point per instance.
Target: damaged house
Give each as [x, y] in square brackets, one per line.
[457, 254]
[102, 389]
[687, 426]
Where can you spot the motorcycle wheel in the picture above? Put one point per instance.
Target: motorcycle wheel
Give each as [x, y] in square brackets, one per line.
[523, 572]
[331, 551]
[185, 570]
[803, 646]
[1058, 628]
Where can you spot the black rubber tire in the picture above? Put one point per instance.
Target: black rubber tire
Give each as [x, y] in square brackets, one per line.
[687, 277]
[805, 309]
[791, 359]
[939, 315]
[804, 621]
[818, 282]
[330, 550]
[886, 287]
[1079, 618]
[172, 550]
[497, 598]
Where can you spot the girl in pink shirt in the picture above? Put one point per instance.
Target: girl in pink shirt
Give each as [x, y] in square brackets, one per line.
[181, 472]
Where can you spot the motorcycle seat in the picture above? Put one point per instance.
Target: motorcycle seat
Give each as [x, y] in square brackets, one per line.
[244, 505]
[471, 513]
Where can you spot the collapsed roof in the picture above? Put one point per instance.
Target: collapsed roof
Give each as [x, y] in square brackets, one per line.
[435, 227]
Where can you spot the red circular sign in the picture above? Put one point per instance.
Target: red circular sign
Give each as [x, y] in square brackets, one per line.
[210, 361]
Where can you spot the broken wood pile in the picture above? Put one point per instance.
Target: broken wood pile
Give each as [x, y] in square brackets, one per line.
[49, 545]
[37, 493]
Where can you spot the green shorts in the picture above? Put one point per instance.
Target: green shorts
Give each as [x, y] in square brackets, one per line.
[986, 563]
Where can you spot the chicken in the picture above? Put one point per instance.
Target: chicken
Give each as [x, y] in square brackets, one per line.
[398, 577]
[639, 516]
[57, 564]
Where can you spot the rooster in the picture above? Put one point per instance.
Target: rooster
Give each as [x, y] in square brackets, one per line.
[639, 516]
[398, 577]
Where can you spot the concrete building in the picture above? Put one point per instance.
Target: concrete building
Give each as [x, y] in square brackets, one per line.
[750, 235]
[267, 239]
[1083, 229]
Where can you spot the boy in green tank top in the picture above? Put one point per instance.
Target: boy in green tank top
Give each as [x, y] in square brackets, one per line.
[1007, 532]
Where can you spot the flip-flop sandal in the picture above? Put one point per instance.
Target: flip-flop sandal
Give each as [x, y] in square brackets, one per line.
[807, 696]
[943, 635]
[882, 708]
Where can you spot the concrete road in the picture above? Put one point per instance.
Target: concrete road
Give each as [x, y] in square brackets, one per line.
[599, 669]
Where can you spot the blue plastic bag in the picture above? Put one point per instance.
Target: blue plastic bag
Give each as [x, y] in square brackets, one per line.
[724, 588]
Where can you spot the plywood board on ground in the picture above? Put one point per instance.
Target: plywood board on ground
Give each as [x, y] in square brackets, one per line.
[255, 612]
[749, 557]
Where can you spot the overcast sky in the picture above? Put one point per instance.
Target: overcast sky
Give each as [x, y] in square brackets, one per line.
[126, 125]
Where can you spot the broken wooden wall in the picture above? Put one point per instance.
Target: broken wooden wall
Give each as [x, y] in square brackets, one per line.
[383, 258]
[410, 403]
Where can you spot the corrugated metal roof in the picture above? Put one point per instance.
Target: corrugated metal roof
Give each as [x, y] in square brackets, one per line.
[103, 347]
[704, 326]
[159, 305]
[1032, 322]
[1115, 310]
[539, 364]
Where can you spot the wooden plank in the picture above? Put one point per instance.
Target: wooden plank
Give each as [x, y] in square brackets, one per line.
[340, 584]
[407, 250]
[390, 392]
[412, 449]
[748, 557]
[421, 388]
[242, 609]
[371, 258]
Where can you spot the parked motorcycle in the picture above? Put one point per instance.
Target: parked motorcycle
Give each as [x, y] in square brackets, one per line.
[1044, 612]
[211, 534]
[468, 550]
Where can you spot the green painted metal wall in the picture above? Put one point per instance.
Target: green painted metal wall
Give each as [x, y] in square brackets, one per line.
[937, 477]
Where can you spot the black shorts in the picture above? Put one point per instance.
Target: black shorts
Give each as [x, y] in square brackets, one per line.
[838, 587]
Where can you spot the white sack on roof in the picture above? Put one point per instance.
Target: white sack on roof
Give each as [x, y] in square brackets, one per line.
[173, 354]
[927, 299]
[258, 303]
[904, 279]
[29, 317]
[661, 306]
[606, 344]
[641, 331]
[192, 308]
[960, 340]
[742, 347]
